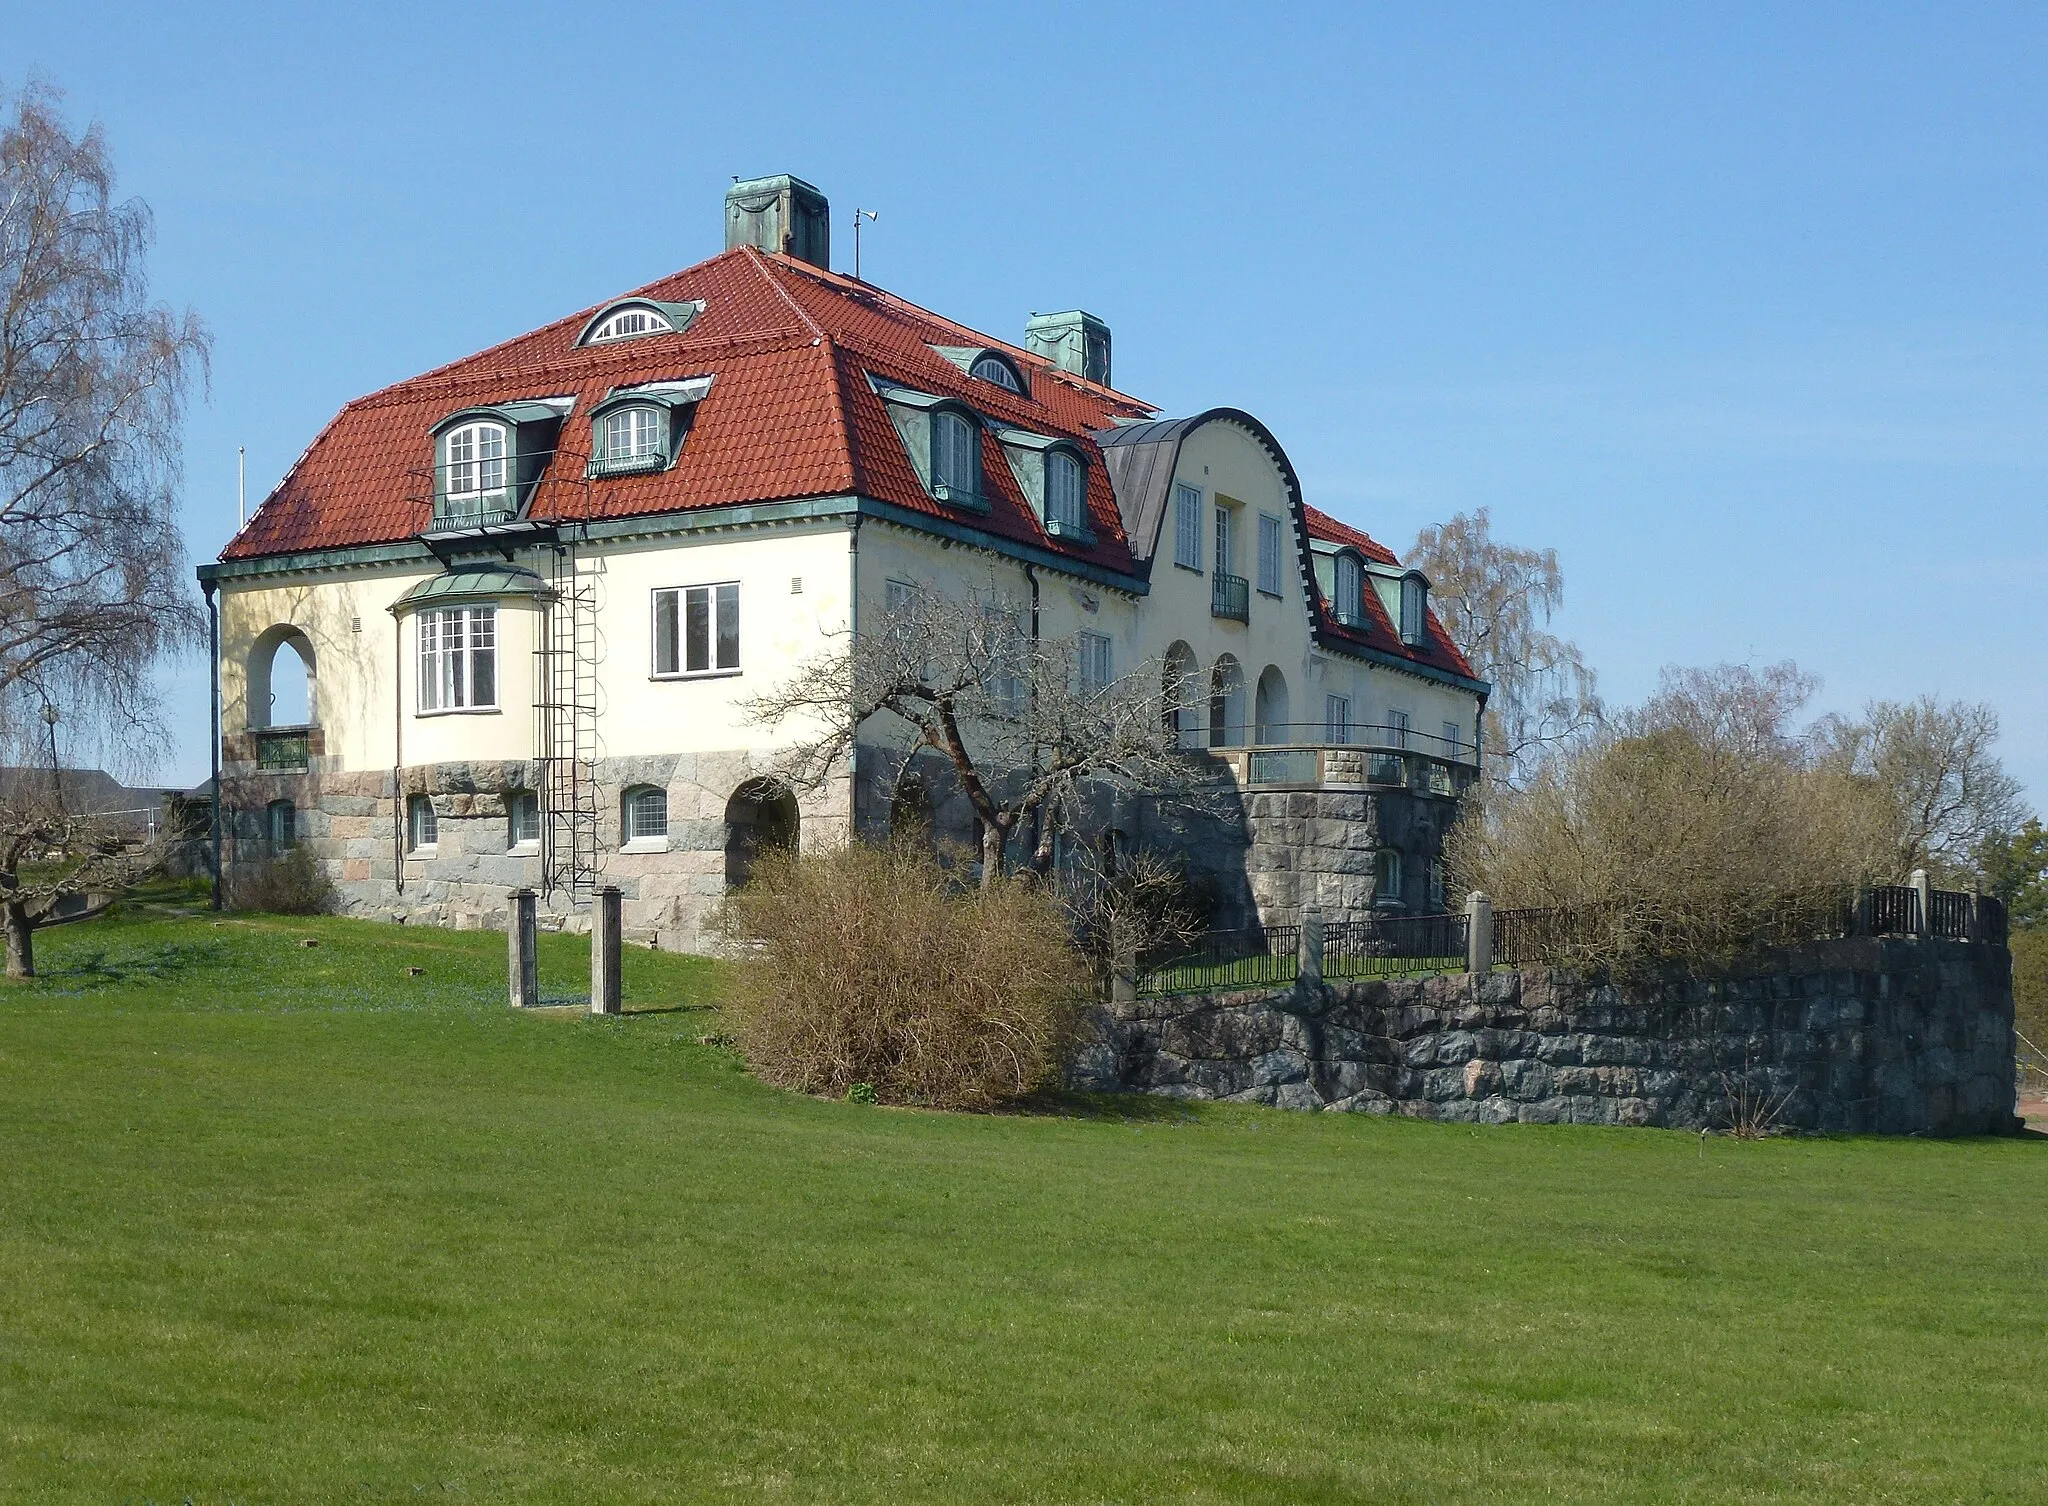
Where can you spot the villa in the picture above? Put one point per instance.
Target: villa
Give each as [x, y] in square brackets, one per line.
[528, 592]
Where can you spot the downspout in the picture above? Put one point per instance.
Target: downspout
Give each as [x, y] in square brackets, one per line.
[1038, 833]
[853, 644]
[397, 751]
[219, 805]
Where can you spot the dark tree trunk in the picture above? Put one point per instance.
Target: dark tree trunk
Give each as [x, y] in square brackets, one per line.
[21, 949]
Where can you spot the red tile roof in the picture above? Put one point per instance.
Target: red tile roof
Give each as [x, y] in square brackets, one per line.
[1380, 631]
[790, 414]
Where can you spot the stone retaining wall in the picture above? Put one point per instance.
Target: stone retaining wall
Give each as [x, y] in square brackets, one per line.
[1889, 1035]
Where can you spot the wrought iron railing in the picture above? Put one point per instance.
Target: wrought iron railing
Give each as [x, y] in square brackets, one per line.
[1385, 945]
[1249, 957]
[1230, 596]
[285, 751]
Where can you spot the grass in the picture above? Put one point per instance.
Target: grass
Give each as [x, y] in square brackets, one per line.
[282, 1223]
[1263, 971]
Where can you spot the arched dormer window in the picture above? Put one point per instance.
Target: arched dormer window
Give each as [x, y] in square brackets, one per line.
[627, 323]
[956, 457]
[1350, 603]
[636, 318]
[641, 427]
[474, 471]
[992, 368]
[1066, 494]
[1414, 609]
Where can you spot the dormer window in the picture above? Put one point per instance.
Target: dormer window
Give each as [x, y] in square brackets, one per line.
[1350, 603]
[993, 368]
[627, 323]
[956, 457]
[641, 428]
[636, 318]
[473, 472]
[1414, 610]
[1066, 495]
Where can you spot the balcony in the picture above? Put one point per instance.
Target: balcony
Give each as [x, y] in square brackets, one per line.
[1230, 596]
[1313, 756]
[283, 750]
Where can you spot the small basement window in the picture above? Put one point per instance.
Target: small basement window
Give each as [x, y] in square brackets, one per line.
[522, 818]
[644, 816]
[282, 818]
[422, 831]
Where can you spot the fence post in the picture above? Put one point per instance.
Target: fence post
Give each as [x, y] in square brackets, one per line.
[521, 924]
[1308, 956]
[1478, 933]
[1923, 903]
[604, 952]
[1123, 978]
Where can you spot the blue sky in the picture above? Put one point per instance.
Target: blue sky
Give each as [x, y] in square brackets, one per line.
[1742, 309]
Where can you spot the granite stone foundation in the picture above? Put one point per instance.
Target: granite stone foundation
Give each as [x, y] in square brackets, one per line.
[351, 823]
[1884, 1035]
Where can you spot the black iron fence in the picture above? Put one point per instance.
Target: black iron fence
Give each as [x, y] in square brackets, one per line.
[1386, 945]
[1419, 945]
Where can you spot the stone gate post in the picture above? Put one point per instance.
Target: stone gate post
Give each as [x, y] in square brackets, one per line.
[1478, 933]
[1923, 903]
[522, 924]
[605, 942]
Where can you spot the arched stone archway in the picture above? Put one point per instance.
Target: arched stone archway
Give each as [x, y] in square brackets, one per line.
[1270, 721]
[1226, 703]
[282, 686]
[761, 817]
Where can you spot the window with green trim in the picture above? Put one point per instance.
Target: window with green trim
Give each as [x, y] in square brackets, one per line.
[956, 457]
[1066, 495]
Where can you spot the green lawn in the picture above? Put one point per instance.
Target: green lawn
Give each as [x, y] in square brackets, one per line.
[288, 1224]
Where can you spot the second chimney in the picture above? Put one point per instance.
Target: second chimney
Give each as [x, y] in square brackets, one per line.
[1074, 341]
[782, 214]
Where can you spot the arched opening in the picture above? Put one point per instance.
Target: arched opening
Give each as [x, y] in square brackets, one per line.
[1183, 691]
[1226, 704]
[281, 684]
[760, 818]
[1271, 723]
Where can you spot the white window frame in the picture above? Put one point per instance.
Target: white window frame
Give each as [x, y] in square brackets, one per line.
[1350, 591]
[1337, 722]
[1272, 548]
[1187, 526]
[1225, 552]
[632, 805]
[613, 328]
[474, 439]
[945, 460]
[897, 595]
[422, 826]
[1397, 728]
[515, 802]
[713, 594]
[1414, 612]
[451, 644]
[1095, 651]
[647, 438]
[1454, 739]
[997, 373]
[1066, 500]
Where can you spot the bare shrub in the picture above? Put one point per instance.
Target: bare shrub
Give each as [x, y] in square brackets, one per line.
[1688, 828]
[291, 883]
[872, 966]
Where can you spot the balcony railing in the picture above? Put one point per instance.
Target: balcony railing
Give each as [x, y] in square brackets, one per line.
[1230, 596]
[284, 750]
[1310, 755]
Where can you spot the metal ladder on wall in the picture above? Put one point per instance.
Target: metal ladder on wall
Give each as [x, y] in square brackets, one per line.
[565, 732]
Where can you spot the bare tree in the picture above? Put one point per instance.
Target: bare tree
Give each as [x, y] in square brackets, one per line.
[1496, 601]
[1029, 733]
[93, 381]
[1945, 791]
[57, 866]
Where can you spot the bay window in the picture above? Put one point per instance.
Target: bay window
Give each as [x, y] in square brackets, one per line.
[459, 659]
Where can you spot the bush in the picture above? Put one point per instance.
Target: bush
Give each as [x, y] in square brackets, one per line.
[1687, 829]
[289, 884]
[2030, 984]
[870, 967]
